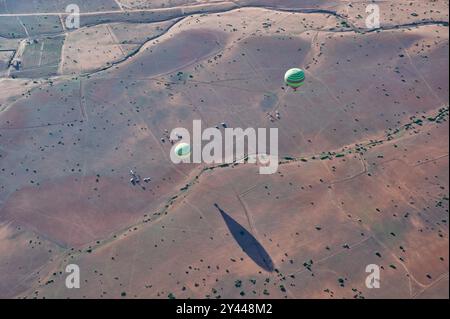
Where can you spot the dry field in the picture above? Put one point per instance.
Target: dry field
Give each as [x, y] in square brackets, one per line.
[363, 175]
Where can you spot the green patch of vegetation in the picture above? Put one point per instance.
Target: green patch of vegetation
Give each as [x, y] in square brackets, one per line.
[171, 296]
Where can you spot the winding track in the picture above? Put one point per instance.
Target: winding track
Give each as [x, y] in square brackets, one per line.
[183, 15]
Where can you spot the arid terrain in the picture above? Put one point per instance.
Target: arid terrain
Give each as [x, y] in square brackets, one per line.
[364, 144]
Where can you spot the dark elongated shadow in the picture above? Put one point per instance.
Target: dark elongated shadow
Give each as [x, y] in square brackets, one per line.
[247, 242]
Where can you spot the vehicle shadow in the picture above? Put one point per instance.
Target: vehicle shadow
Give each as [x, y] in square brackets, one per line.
[247, 242]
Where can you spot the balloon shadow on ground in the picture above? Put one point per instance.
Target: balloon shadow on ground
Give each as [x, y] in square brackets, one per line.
[248, 242]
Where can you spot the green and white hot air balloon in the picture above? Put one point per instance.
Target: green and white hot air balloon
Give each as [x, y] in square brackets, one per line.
[183, 150]
[295, 78]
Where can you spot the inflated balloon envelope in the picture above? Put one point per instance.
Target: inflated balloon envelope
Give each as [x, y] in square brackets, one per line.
[294, 78]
